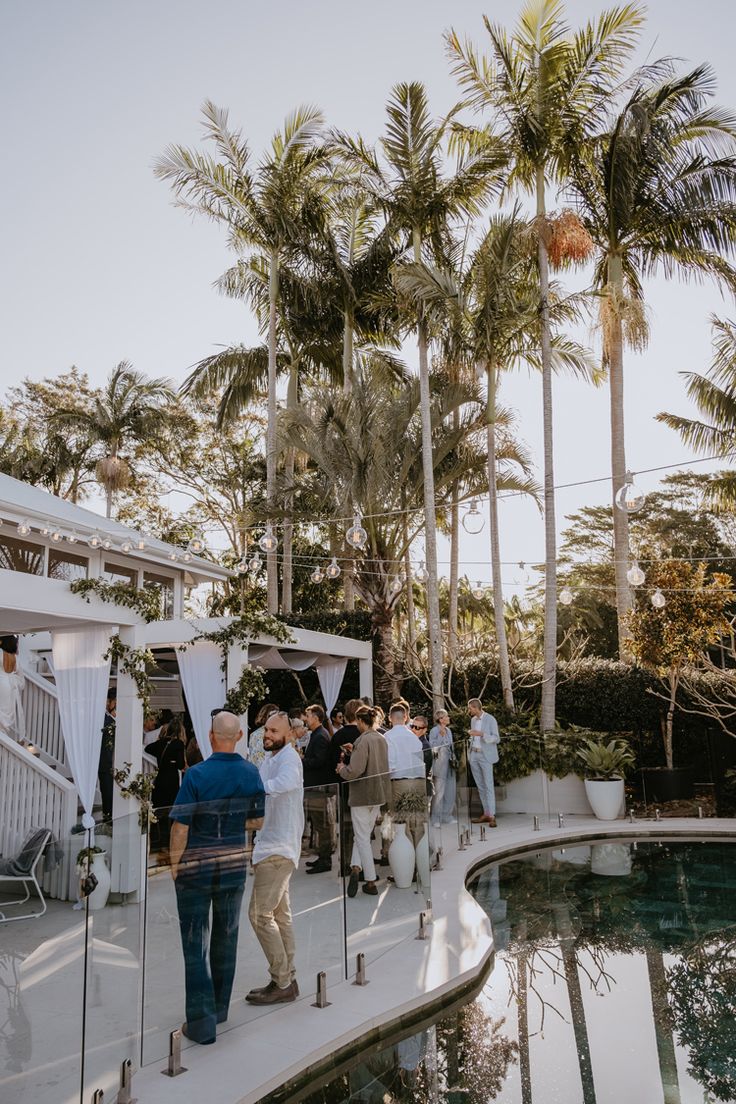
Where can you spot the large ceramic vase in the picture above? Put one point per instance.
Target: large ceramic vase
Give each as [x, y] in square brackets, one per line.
[422, 861]
[606, 797]
[98, 897]
[402, 858]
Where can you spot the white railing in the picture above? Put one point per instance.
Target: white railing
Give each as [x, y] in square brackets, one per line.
[43, 722]
[34, 795]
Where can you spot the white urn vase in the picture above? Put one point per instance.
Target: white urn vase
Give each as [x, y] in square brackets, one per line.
[98, 897]
[606, 797]
[402, 858]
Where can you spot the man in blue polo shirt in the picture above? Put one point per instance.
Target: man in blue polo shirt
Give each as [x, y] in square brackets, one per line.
[219, 799]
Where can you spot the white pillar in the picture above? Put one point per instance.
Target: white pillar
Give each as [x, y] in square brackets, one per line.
[237, 658]
[365, 676]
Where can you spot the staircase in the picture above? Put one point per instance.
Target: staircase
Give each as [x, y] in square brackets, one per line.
[43, 723]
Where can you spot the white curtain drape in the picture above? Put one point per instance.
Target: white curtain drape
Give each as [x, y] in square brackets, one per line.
[200, 667]
[330, 672]
[82, 678]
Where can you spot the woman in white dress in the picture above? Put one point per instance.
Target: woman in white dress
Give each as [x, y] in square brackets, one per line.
[12, 682]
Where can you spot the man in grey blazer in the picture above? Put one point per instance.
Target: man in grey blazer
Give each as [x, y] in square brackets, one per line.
[483, 754]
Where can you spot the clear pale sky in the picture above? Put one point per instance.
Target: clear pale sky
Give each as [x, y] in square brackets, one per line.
[97, 266]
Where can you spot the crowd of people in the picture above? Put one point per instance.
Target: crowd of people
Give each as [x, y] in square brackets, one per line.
[300, 767]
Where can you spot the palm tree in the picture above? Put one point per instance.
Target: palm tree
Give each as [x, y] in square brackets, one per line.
[657, 192]
[420, 202]
[127, 412]
[547, 88]
[714, 394]
[267, 211]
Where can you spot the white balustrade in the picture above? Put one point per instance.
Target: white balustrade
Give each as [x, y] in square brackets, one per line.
[43, 723]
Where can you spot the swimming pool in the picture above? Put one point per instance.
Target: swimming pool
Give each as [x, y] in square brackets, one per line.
[614, 981]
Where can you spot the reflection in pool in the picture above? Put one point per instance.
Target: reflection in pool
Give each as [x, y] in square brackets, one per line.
[614, 980]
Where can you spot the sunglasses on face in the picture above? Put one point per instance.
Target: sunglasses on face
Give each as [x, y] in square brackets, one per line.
[417, 727]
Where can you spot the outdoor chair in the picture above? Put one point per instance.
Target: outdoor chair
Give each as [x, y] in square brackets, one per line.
[22, 868]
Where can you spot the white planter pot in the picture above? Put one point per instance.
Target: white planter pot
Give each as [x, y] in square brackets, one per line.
[402, 858]
[527, 795]
[422, 861]
[98, 898]
[606, 797]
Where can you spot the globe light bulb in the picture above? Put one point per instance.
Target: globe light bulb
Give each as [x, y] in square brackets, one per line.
[107, 543]
[94, 540]
[57, 536]
[186, 556]
[126, 547]
[397, 585]
[629, 498]
[173, 555]
[242, 566]
[658, 599]
[478, 591]
[196, 545]
[356, 536]
[268, 542]
[72, 538]
[635, 575]
[473, 520]
[255, 562]
[139, 542]
[421, 574]
[333, 570]
[317, 575]
[24, 527]
[45, 529]
[566, 596]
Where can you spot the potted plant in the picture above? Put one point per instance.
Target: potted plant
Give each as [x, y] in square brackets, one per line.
[410, 816]
[91, 860]
[605, 765]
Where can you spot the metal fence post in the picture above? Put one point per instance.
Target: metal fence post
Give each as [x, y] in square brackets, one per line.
[321, 1001]
[360, 978]
[126, 1083]
[174, 1066]
[422, 933]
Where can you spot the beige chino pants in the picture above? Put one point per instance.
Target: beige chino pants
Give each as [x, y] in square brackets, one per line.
[270, 916]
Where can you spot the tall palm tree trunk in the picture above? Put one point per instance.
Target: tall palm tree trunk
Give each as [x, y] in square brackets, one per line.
[434, 633]
[614, 340]
[452, 634]
[347, 354]
[271, 446]
[411, 619]
[348, 587]
[663, 1027]
[498, 607]
[292, 401]
[547, 712]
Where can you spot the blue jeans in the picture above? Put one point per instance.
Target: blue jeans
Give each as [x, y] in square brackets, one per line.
[209, 959]
[481, 769]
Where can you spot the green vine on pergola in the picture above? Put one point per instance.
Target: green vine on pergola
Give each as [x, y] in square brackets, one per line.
[135, 663]
[146, 601]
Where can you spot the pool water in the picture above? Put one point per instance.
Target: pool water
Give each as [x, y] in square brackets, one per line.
[614, 981]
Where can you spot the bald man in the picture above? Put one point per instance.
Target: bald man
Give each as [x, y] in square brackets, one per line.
[218, 800]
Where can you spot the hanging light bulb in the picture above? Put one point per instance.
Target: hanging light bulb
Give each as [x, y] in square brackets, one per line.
[173, 555]
[268, 542]
[333, 570]
[186, 556]
[94, 540]
[478, 591]
[56, 535]
[197, 545]
[72, 537]
[107, 543]
[45, 529]
[356, 536]
[473, 520]
[127, 546]
[24, 527]
[566, 596]
[242, 566]
[629, 498]
[658, 599]
[255, 562]
[635, 575]
[317, 575]
[139, 542]
[421, 574]
[397, 585]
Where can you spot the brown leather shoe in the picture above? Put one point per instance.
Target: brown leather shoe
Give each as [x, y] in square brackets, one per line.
[275, 995]
[370, 888]
[491, 822]
[480, 820]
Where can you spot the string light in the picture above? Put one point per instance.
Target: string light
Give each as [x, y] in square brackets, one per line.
[126, 547]
[197, 545]
[72, 538]
[24, 527]
[356, 535]
[397, 585]
[56, 536]
[255, 562]
[186, 556]
[473, 520]
[629, 498]
[635, 575]
[94, 540]
[317, 575]
[421, 574]
[658, 599]
[478, 591]
[242, 567]
[333, 571]
[566, 596]
[268, 542]
[173, 556]
[139, 542]
[107, 543]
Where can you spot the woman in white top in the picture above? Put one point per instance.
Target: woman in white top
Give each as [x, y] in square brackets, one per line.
[443, 773]
[12, 682]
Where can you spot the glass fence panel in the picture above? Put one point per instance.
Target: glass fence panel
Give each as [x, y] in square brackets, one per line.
[42, 947]
[114, 952]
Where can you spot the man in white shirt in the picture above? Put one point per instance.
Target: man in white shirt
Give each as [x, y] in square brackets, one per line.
[405, 758]
[275, 858]
[483, 754]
